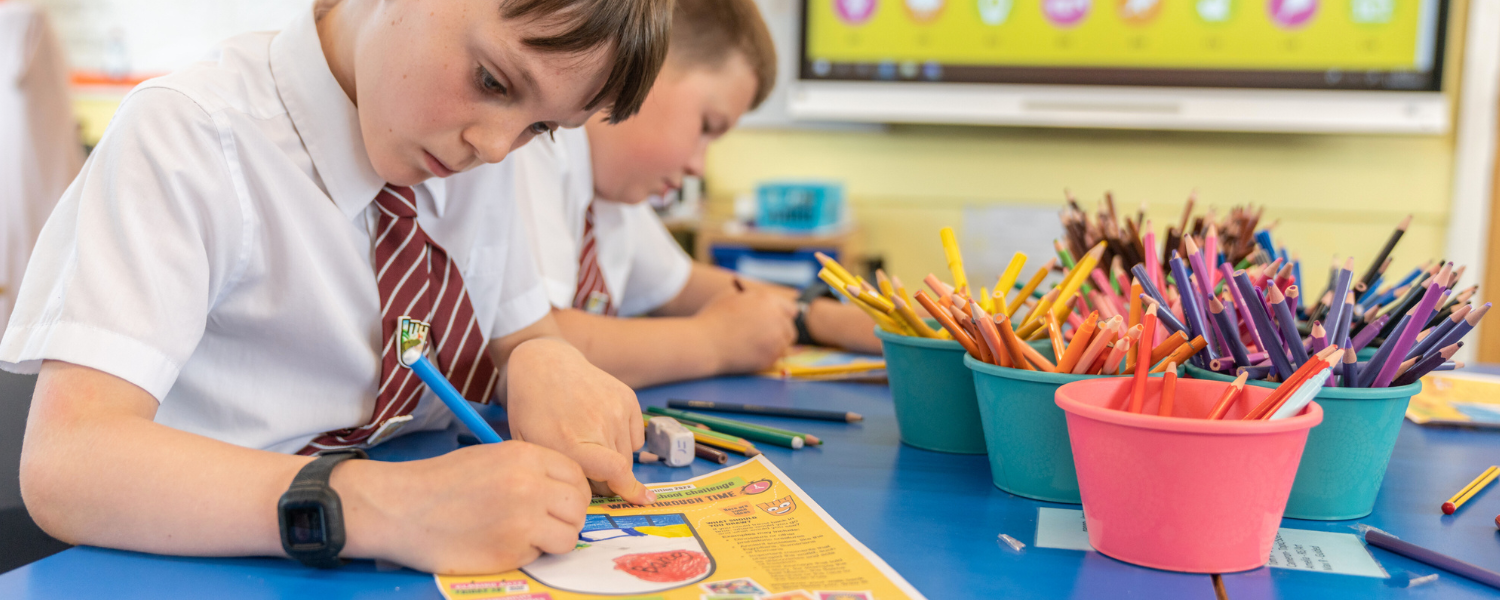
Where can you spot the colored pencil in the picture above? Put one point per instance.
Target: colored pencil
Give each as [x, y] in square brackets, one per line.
[1143, 359]
[772, 411]
[1469, 491]
[1168, 391]
[825, 370]
[1227, 399]
[1381, 539]
[745, 430]
[1385, 251]
[710, 454]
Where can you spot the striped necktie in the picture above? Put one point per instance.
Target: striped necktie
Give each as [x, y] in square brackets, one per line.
[416, 279]
[592, 294]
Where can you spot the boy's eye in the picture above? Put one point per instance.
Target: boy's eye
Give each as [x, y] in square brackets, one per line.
[487, 82]
[540, 128]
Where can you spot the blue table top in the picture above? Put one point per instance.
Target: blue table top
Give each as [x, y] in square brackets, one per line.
[934, 517]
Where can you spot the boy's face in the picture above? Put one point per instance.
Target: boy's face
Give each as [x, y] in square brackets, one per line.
[688, 107]
[443, 87]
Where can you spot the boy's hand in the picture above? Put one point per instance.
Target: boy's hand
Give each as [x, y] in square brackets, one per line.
[750, 329]
[481, 509]
[558, 400]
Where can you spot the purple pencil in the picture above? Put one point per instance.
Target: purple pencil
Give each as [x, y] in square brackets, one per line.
[1367, 335]
[1458, 333]
[1426, 344]
[1239, 304]
[1408, 336]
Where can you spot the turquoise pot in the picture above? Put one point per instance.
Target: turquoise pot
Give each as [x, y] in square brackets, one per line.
[1025, 431]
[1346, 456]
[933, 394]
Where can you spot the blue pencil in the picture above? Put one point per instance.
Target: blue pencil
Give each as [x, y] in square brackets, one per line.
[456, 402]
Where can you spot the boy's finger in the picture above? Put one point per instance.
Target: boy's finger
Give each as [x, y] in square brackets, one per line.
[555, 537]
[637, 433]
[603, 464]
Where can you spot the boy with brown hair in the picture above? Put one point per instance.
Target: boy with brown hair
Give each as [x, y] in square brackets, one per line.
[603, 252]
[217, 294]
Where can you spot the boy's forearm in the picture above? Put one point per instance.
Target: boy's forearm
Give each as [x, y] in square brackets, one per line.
[642, 352]
[96, 470]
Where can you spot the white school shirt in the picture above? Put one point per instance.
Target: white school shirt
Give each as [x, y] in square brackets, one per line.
[216, 251]
[641, 263]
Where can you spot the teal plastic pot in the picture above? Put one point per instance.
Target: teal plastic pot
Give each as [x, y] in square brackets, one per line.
[1025, 431]
[1346, 456]
[933, 394]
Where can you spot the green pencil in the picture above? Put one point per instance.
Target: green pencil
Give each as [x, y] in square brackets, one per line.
[745, 430]
[807, 438]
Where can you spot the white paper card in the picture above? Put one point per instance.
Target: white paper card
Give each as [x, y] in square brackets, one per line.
[1299, 549]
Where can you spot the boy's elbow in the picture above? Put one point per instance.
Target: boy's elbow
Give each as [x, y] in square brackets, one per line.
[44, 493]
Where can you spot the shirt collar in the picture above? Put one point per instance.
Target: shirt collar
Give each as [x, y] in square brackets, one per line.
[327, 121]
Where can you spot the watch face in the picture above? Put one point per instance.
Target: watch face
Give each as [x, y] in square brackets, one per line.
[305, 530]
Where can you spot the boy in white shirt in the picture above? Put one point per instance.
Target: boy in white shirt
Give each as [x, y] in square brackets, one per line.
[219, 290]
[603, 252]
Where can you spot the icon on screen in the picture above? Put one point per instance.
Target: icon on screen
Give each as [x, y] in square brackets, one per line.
[1213, 11]
[886, 71]
[1066, 13]
[854, 12]
[932, 70]
[924, 10]
[1292, 14]
[1373, 12]
[1138, 12]
[821, 68]
[994, 12]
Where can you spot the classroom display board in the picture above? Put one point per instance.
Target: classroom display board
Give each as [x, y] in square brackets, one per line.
[1295, 44]
[741, 533]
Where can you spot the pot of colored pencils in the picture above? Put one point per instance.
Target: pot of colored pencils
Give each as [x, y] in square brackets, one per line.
[1174, 476]
[1346, 457]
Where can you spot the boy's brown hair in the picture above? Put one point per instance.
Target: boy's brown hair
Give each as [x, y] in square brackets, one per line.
[709, 32]
[637, 31]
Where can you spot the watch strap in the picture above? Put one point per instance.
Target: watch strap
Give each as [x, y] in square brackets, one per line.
[310, 481]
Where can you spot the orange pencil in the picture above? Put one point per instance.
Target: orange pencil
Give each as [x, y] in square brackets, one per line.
[1014, 345]
[977, 314]
[991, 335]
[1080, 342]
[1182, 353]
[1112, 363]
[1227, 399]
[1107, 335]
[946, 320]
[1055, 332]
[1167, 346]
[1036, 358]
[1168, 391]
[1135, 313]
[1327, 362]
[1143, 359]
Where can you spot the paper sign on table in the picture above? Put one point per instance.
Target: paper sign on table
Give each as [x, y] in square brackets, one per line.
[1298, 549]
[744, 533]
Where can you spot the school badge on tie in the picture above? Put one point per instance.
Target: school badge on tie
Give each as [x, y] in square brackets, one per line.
[411, 340]
[597, 303]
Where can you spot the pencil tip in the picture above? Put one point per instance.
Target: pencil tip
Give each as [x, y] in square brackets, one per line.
[855, 417]
[1404, 223]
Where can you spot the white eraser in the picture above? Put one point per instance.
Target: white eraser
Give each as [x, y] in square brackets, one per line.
[667, 438]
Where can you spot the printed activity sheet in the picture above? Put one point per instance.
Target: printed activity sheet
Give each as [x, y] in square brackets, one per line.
[741, 533]
[1299, 549]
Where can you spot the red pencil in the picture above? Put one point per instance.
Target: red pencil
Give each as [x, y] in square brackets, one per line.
[1143, 359]
[1226, 400]
[1168, 390]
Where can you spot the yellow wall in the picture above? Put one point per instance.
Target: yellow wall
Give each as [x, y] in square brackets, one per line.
[1333, 193]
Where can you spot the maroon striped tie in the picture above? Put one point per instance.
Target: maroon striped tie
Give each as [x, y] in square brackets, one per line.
[416, 279]
[592, 294]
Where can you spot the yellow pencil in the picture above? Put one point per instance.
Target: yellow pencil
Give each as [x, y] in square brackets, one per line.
[1011, 274]
[880, 319]
[910, 318]
[884, 283]
[806, 371]
[1080, 273]
[840, 273]
[955, 260]
[1470, 490]
[1026, 291]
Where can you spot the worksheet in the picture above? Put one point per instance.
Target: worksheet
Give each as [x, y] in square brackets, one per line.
[745, 532]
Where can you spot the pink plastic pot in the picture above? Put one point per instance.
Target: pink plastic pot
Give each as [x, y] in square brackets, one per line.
[1181, 494]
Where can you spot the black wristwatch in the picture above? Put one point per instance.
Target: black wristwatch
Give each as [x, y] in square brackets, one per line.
[816, 289]
[311, 516]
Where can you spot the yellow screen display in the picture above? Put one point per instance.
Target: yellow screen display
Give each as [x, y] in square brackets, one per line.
[1206, 35]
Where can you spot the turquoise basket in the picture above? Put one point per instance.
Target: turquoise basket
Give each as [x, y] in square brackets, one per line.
[933, 394]
[1026, 432]
[1346, 456]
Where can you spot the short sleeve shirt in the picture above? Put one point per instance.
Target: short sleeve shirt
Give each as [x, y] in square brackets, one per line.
[216, 251]
[642, 264]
